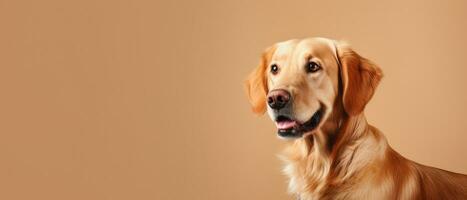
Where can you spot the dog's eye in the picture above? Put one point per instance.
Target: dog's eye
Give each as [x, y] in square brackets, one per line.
[274, 69]
[312, 67]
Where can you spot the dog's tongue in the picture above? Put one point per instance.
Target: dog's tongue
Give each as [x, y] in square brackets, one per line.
[285, 124]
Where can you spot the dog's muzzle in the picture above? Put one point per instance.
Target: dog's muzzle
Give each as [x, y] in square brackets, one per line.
[290, 128]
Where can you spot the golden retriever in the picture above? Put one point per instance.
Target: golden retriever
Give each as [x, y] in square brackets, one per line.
[315, 90]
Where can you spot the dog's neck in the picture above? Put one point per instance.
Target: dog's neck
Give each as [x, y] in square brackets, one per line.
[330, 156]
[339, 130]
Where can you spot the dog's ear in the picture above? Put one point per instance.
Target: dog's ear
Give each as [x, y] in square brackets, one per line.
[256, 84]
[359, 77]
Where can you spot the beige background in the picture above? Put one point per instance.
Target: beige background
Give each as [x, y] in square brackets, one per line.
[144, 99]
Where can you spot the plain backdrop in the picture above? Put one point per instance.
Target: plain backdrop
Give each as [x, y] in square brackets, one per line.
[136, 99]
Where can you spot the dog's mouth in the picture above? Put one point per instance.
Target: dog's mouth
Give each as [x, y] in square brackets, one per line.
[290, 128]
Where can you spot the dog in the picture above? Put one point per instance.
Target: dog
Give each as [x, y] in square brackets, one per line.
[315, 90]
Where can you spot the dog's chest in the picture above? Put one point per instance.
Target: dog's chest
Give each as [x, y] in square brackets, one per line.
[311, 179]
[307, 178]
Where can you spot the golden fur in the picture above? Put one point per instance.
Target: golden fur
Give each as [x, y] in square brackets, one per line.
[345, 157]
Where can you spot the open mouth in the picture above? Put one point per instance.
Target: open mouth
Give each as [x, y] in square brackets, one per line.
[290, 128]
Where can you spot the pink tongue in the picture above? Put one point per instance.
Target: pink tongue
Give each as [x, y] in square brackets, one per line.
[285, 124]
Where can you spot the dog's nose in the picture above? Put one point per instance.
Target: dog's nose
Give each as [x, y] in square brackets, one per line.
[278, 98]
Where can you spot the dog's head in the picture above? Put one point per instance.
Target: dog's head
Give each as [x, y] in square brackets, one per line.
[302, 82]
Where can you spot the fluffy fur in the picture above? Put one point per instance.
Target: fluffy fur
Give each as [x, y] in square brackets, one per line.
[345, 157]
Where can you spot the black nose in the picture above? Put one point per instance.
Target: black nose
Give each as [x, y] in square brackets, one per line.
[277, 99]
